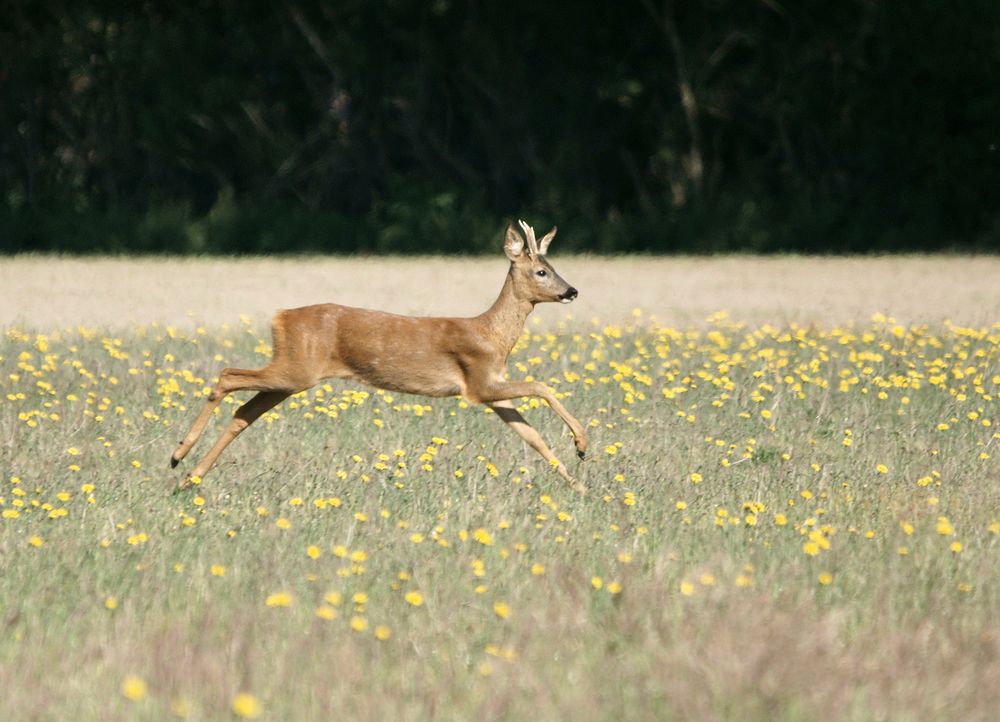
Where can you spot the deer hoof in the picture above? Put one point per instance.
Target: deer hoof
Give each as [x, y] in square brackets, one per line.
[174, 461]
[581, 454]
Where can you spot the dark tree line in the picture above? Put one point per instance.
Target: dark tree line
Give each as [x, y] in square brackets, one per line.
[414, 126]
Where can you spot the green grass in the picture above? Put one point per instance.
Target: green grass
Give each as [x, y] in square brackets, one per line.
[710, 603]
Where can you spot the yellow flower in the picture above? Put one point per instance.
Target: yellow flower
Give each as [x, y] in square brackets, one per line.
[414, 598]
[614, 588]
[359, 624]
[382, 633]
[279, 599]
[325, 612]
[247, 706]
[483, 537]
[111, 603]
[882, 469]
[134, 688]
[596, 582]
[313, 551]
[218, 570]
[825, 578]
[501, 609]
[687, 588]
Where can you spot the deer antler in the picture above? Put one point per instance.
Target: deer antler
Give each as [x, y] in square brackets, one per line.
[543, 245]
[529, 235]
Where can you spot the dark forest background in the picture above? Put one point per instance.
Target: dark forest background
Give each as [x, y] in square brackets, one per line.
[421, 126]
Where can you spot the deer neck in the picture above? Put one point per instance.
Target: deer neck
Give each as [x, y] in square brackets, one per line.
[505, 318]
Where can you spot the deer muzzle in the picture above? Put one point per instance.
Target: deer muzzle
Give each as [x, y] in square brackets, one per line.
[568, 295]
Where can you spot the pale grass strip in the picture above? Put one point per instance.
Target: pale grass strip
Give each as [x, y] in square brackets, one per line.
[49, 292]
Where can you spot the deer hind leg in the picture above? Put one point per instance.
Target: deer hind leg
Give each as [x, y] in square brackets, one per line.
[244, 416]
[230, 380]
[510, 416]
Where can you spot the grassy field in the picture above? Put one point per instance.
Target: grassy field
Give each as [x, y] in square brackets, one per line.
[793, 509]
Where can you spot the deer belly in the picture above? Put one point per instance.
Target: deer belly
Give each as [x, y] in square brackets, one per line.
[412, 375]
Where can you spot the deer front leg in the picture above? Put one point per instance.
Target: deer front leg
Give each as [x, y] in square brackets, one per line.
[506, 390]
[510, 416]
[244, 416]
[198, 428]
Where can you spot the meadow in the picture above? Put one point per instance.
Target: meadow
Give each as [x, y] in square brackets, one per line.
[792, 511]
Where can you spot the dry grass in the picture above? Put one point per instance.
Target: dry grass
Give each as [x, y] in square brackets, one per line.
[51, 292]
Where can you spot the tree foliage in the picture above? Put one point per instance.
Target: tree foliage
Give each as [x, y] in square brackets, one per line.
[648, 125]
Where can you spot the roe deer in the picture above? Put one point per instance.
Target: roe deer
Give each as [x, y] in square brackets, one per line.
[406, 354]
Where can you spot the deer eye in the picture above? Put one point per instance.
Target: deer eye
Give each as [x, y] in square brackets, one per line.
[541, 273]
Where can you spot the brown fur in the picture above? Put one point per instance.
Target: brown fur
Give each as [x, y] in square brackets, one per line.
[426, 356]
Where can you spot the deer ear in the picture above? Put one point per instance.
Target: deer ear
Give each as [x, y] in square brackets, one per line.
[513, 244]
[543, 244]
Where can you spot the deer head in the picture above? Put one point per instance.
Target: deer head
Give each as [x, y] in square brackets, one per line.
[534, 277]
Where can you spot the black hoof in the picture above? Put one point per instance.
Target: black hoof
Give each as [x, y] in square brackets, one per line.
[174, 462]
[581, 454]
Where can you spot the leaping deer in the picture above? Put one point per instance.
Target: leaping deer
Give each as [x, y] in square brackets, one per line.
[407, 354]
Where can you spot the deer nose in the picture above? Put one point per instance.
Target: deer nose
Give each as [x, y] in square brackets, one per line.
[569, 294]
